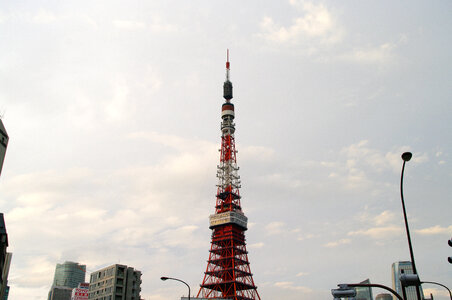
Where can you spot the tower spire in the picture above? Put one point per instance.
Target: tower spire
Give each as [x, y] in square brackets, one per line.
[228, 273]
[227, 86]
[227, 65]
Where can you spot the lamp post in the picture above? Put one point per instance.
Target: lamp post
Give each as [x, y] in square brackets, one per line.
[344, 290]
[413, 280]
[432, 282]
[170, 278]
[406, 157]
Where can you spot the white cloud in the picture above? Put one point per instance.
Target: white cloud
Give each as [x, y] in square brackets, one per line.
[302, 237]
[44, 17]
[275, 228]
[256, 245]
[384, 218]
[156, 25]
[288, 285]
[118, 107]
[434, 230]
[317, 23]
[302, 274]
[373, 55]
[159, 25]
[378, 232]
[129, 24]
[257, 153]
[337, 243]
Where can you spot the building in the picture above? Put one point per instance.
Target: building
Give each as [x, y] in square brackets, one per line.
[80, 292]
[5, 258]
[116, 282]
[397, 269]
[67, 276]
[384, 297]
[3, 144]
[60, 293]
[364, 293]
[5, 272]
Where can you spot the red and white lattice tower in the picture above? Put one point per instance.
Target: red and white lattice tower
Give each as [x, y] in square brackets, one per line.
[228, 274]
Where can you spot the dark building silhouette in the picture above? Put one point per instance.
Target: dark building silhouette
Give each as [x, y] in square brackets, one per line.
[3, 144]
[5, 259]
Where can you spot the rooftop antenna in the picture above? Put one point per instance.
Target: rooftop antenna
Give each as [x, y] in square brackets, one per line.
[227, 65]
[227, 86]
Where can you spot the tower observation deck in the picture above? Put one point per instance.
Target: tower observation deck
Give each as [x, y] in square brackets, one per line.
[228, 273]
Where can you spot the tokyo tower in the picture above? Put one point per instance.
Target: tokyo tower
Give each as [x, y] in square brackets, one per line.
[228, 274]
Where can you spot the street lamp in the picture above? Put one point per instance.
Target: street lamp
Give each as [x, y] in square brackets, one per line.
[406, 157]
[449, 259]
[346, 290]
[413, 280]
[432, 282]
[170, 278]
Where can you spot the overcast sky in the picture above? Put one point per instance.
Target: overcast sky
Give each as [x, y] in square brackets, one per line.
[113, 112]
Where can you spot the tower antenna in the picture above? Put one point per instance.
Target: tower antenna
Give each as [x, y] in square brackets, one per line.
[228, 273]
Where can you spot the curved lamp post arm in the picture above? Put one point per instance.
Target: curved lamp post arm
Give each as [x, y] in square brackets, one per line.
[406, 157]
[170, 278]
[432, 282]
[377, 286]
[406, 220]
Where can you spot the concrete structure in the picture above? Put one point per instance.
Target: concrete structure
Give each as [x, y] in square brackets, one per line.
[67, 276]
[3, 144]
[60, 293]
[364, 293]
[397, 269]
[5, 258]
[116, 282]
[4, 290]
[384, 297]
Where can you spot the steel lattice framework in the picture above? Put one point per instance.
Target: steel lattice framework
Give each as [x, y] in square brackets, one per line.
[228, 274]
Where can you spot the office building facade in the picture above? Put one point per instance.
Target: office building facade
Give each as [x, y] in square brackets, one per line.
[384, 296]
[362, 292]
[3, 144]
[5, 258]
[60, 293]
[397, 269]
[116, 282]
[68, 275]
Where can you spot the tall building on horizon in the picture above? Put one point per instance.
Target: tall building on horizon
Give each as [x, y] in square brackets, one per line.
[228, 273]
[116, 282]
[3, 144]
[60, 293]
[384, 296]
[5, 259]
[67, 276]
[397, 269]
[364, 293]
